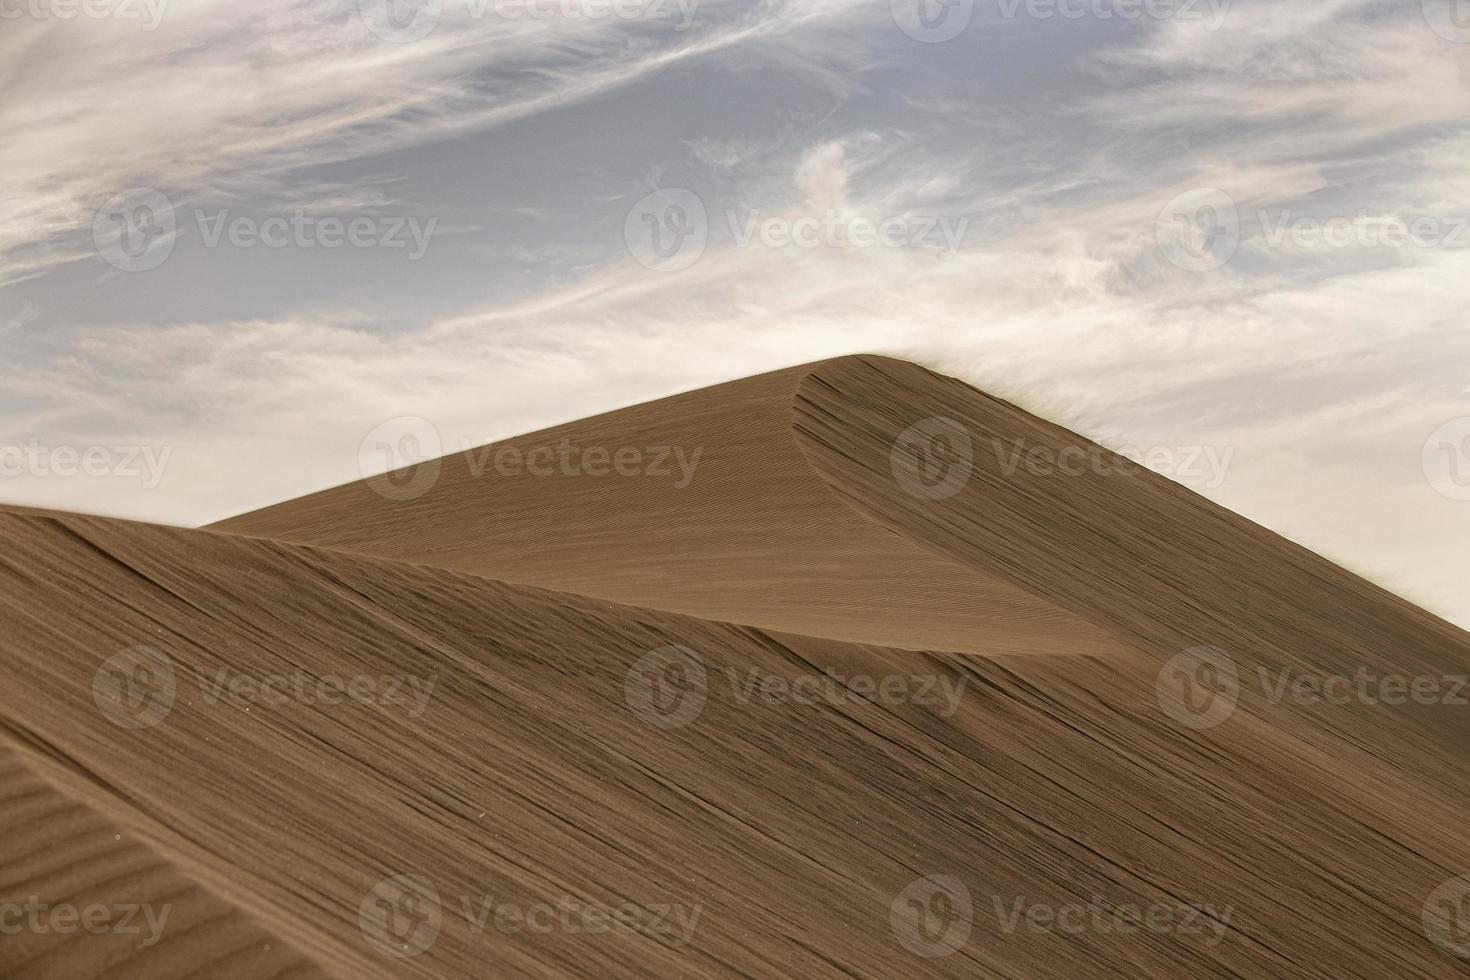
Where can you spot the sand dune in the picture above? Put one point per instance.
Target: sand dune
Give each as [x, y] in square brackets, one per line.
[749, 533]
[160, 923]
[736, 800]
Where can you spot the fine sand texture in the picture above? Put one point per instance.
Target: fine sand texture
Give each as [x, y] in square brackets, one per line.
[753, 535]
[418, 745]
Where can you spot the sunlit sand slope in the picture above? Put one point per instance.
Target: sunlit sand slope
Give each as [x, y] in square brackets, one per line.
[722, 517]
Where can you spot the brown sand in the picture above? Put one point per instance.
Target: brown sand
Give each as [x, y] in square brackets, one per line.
[796, 832]
[754, 536]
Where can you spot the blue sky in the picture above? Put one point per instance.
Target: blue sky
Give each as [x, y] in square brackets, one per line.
[243, 237]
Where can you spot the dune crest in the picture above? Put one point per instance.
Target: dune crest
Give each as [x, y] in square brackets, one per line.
[750, 534]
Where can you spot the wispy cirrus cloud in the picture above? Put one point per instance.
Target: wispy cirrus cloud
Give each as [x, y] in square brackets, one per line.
[1057, 151]
[216, 100]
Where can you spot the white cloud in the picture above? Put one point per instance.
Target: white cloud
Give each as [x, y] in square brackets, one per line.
[1324, 370]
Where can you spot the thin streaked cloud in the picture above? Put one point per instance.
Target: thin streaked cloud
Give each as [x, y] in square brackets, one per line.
[1241, 232]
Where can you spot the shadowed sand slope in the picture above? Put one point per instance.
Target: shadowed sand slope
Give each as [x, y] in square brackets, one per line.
[1158, 566]
[724, 519]
[57, 854]
[563, 756]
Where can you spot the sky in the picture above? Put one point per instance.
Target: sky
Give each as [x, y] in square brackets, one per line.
[1229, 237]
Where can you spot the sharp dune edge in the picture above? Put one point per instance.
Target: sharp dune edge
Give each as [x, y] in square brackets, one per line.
[785, 833]
[753, 536]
